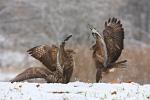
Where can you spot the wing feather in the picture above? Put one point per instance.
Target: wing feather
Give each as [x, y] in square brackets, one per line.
[32, 73]
[113, 37]
[45, 54]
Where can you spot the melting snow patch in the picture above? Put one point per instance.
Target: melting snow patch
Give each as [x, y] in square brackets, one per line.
[73, 91]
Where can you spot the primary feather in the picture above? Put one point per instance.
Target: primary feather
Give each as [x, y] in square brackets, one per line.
[108, 46]
[113, 37]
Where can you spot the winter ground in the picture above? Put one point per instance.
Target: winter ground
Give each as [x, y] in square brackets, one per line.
[74, 91]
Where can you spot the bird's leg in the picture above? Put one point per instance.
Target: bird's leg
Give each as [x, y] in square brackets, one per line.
[98, 74]
[35, 72]
[67, 74]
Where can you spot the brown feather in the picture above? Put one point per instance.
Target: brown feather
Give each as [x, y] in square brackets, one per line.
[111, 47]
[30, 73]
[45, 54]
[48, 56]
[109, 20]
[37, 72]
[113, 36]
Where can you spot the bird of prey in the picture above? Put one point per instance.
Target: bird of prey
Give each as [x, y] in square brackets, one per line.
[108, 46]
[58, 63]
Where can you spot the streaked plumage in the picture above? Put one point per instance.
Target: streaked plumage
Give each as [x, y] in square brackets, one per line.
[108, 46]
[45, 54]
[113, 37]
[58, 61]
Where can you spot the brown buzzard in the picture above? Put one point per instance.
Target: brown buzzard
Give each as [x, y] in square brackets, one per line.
[58, 61]
[108, 46]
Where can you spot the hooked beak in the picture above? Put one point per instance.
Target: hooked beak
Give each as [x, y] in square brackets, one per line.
[95, 33]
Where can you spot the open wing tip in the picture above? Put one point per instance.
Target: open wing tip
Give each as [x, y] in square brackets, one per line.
[109, 20]
[106, 24]
[114, 20]
[118, 22]
[68, 37]
[29, 51]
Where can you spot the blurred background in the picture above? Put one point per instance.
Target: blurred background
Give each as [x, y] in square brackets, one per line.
[28, 23]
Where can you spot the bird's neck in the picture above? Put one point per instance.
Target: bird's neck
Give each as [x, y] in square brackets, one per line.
[101, 43]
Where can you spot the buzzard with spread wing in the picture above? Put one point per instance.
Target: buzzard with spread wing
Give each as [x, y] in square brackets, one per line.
[108, 46]
[58, 61]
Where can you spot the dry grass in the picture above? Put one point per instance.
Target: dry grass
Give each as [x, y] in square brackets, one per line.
[137, 68]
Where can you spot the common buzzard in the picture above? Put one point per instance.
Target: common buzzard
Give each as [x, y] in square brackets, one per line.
[108, 46]
[58, 61]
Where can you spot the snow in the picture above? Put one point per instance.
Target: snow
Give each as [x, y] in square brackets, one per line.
[73, 91]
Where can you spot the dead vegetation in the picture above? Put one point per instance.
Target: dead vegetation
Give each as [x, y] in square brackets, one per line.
[137, 68]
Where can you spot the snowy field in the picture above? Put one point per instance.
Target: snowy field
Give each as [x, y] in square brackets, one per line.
[74, 91]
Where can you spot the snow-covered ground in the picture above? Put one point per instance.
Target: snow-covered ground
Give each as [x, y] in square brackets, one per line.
[74, 91]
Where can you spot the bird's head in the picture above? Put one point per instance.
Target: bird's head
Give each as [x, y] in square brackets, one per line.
[95, 33]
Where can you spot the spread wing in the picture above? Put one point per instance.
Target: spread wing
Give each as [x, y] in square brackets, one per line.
[44, 54]
[113, 37]
[32, 73]
[39, 72]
